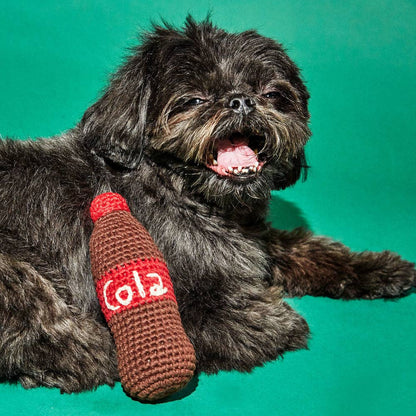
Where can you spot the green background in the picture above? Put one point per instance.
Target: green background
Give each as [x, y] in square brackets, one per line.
[358, 58]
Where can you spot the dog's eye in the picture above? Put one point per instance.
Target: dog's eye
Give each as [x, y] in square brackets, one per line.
[282, 100]
[195, 101]
[272, 94]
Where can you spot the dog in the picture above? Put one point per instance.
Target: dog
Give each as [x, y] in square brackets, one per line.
[195, 130]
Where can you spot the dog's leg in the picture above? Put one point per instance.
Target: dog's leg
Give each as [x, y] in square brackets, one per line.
[243, 330]
[43, 340]
[308, 265]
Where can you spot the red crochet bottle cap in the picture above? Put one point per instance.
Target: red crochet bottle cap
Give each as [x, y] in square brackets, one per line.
[105, 203]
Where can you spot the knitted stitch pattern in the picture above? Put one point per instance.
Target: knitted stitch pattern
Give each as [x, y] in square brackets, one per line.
[155, 357]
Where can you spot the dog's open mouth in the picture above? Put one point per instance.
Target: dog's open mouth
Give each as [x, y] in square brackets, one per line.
[237, 155]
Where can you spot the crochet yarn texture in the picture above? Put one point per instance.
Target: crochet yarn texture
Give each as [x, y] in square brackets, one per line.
[155, 357]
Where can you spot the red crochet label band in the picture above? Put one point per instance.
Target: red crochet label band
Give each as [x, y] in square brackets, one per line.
[134, 284]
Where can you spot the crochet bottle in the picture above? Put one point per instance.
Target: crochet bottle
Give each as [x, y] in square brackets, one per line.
[155, 357]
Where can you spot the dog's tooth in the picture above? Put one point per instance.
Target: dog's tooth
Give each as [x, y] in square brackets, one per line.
[256, 164]
[252, 168]
[212, 159]
[245, 170]
[236, 171]
[230, 169]
[240, 169]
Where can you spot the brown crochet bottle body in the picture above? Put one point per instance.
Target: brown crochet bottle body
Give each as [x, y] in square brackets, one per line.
[155, 357]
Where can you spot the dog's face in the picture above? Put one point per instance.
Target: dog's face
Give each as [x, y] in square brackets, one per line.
[227, 111]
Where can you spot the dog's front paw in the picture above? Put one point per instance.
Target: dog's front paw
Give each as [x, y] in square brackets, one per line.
[247, 336]
[73, 357]
[72, 380]
[382, 275]
[86, 372]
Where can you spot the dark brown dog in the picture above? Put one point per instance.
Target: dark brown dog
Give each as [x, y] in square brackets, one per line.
[195, 130]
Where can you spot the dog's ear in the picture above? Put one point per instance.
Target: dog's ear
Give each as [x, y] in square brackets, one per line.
[114, 127]
[289, 172]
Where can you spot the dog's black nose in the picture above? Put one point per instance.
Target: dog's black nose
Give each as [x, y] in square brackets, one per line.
[242, 104]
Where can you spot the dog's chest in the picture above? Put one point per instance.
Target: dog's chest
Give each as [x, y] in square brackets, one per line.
[205, 250]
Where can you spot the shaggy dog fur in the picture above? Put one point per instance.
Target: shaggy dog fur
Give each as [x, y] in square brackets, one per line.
[153, 137]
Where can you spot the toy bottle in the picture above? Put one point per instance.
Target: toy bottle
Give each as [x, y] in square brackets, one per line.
[155, 357]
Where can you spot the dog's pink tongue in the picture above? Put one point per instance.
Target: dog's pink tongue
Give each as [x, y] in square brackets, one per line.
[235, 153]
